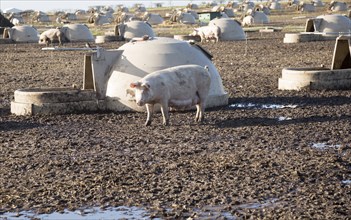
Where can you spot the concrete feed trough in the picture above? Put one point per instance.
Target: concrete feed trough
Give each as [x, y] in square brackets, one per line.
[22, 34]
[108, 74]
[324, 27]
[230, 29]
[78, 33]
[337, 77]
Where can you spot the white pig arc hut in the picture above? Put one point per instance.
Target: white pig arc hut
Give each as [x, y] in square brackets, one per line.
[108, 74]
[323, 27]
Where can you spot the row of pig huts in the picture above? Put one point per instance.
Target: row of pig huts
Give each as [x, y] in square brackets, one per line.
[100, 15]
[108, 73]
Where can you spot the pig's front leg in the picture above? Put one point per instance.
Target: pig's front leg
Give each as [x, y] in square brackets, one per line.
[165, 112]
[150, 112]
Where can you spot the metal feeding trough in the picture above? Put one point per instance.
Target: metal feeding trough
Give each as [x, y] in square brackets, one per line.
[324, 27]
[337, 77]
[108, 74]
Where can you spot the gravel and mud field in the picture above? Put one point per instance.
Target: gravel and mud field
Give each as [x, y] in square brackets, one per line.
[269, 154]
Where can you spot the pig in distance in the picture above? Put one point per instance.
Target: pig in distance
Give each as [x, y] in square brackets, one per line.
[52, 35]
[207, 33]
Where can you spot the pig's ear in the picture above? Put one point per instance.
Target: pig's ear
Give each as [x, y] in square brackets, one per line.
[146, 85]
[134, 85]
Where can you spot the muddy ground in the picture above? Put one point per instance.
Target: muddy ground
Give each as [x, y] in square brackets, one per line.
[251, 162]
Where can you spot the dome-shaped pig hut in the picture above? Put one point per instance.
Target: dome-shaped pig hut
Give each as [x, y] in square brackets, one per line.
[137, 60]
[275, 5]
[152, 18]
[40, 16]
[186, 18]
[318, 3]
[306, 7]
[230, 29]
[323, 27]
[77, 33]
[263, 8]
[134, 29]
[246, 5]
[22, 34]
[259, 17]
[337, 6]
[337, 24]
[108, 74]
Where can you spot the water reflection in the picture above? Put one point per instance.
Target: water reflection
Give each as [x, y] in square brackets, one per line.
[121, 212]
[261, 106]
[323, 146]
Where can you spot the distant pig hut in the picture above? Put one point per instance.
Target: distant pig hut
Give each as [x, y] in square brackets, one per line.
[256, 17]
[230, 29]
[134, 29]
[100, 19]
[337, 6]
[263, 8]
[275, 5]
[77, 33]
[152, 18]
[318, 3]
[22, 34]
[182, 17]
[323, 27]
[306, 7]
[329, 25]
[40, 17]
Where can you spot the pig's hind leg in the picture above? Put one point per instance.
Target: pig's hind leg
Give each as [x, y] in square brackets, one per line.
[165, 113]
[200, 107]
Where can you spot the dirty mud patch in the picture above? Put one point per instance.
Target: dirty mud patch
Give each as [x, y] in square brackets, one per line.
[245, 161]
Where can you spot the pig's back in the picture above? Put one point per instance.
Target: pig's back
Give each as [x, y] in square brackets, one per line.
[182, 82]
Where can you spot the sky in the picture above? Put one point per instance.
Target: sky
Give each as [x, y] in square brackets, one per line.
[51, 5]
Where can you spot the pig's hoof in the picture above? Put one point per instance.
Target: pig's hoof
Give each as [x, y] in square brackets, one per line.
[147, 123]
[166, 123]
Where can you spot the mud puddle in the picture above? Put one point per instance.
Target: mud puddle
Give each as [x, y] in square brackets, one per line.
[121, 212]
[324, 146]
[261, 106]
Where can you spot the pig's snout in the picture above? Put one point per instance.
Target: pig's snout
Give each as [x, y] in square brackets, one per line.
[140, 102]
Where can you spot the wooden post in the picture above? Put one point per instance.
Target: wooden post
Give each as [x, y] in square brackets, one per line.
[341, 56]
[88, 82]
[309, 26]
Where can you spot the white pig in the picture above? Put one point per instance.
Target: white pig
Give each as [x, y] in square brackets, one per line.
[51, 35]
[207, 33]
[177, 87]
